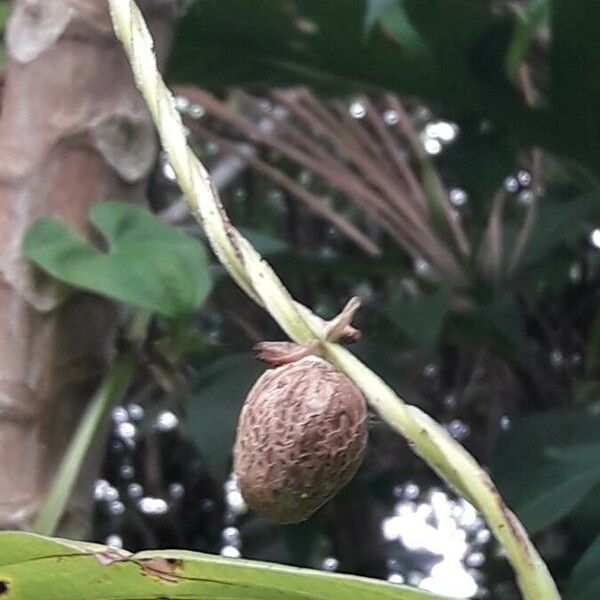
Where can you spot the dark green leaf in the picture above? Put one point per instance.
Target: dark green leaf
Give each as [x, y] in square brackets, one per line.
[577, 456]
[542, 467]
[584, 582]
[575, 91]
[584, 521]
[394, 19]
[375, 10]
[559, 223]
[480, 162]
[451, 52]
[534, 14]
[592, 351]
[505, 317]
[422, 319]
[218, 396]
[266, 244]
[586, 391]
[148, 264]
[262, 44]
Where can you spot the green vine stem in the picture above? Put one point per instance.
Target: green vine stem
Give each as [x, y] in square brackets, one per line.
[111, 390]
[252, 273]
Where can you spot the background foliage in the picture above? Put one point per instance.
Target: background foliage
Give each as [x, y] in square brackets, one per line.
[506, 355]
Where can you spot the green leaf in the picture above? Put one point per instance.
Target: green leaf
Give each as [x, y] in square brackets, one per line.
[33, 567]
[584, 521]
[456, 53]
[577, 456]
[262, 44]
[5, 9]
[113, 388]
[559, 224]
[480, 162]
[265, 244]
[392, 16]
[535, 13]
[575, 91]
[592, 351]
[584, 582]
[505, 318]
[148, 264]
[543, 465]
[422, 319]
[374, 12]
[218, 396]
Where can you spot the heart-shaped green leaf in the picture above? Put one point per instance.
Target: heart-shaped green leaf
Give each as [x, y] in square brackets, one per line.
[33, 567]
[148, 264]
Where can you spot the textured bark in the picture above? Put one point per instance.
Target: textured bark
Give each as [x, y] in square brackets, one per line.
[73, 132]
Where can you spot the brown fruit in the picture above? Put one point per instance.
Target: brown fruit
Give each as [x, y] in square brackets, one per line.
[301, 436]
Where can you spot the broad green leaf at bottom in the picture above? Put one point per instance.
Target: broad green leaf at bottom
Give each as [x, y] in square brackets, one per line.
[34, 567]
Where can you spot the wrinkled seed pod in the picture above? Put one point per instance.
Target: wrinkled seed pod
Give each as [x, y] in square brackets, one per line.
[301, 436]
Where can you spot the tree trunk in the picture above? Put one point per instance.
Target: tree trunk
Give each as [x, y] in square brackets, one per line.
[73, 132]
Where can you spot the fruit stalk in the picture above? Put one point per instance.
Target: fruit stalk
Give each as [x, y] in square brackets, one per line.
[252, 273]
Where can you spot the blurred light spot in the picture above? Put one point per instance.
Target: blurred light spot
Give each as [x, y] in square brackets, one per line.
[450, 401]
[126, 431]
[136, 412]
[526, 197]
[230, 552]
[100, 488]
[169, 172]
[195, 111]
[511, 184]
[330, 564]
[135, 491]
[111, 494]
[411, 491]
[357, 110]
[114, 541]
[458, 429]
[483, 536]
[557, 358]
[182, 103]
[119, 414]
[475, 560]
[422, 267]
[176, 491]
[390, 117]
[116, 508]
[153, 506]
[432, 146]
[231, 536]
[166, 421]
[449, 578]
[430, 371]
[442, 130]
[126, 471]
[458, 197]
[524, 178]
